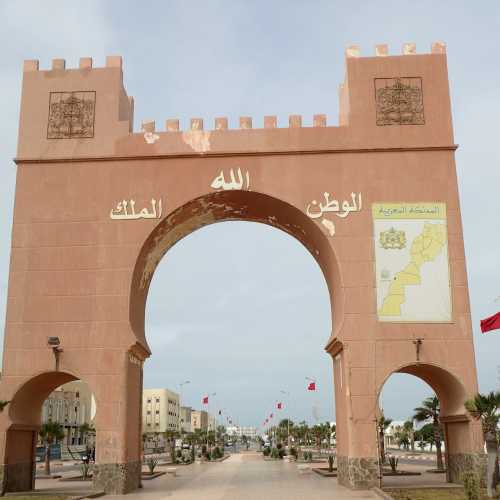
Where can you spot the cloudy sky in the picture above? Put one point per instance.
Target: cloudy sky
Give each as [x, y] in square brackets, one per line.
[256, 325]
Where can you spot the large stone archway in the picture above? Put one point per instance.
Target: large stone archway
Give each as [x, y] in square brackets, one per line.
[97, 206]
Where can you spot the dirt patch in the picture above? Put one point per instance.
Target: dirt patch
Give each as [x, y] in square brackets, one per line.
[429, 494]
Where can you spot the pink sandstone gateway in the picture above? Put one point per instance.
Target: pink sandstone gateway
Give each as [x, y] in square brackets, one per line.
[97, 206]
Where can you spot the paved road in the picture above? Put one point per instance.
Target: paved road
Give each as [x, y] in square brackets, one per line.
[244, 476]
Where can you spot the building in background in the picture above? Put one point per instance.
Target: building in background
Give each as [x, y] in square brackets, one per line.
[71, 405]
[186, 419]
[236, 430]
[160, 410]
[199, 420]
[212, 422]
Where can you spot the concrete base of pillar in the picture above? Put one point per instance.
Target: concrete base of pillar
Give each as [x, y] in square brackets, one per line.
[17, 477]
[458, 463]
[358, 473]
[117, 479]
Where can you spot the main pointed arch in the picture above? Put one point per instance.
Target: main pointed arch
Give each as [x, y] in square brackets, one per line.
[225, 206]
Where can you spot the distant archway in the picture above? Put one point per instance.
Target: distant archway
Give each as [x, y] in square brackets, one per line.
[453, 417]
[25, 414]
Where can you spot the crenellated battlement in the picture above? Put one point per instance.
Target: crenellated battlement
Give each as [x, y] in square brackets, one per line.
[408, 49]
[222, 123]
[60, 64]
[385, 101]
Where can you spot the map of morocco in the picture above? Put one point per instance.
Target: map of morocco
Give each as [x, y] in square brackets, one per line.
[424, 248]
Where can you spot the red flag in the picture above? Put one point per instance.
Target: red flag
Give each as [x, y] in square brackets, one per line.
[311, 386]
[491, 323]
[205, 400]
[279, 406]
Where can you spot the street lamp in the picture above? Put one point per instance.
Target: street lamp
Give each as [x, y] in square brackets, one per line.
[286, 393]
[213, 394]
[180, 404]
[54, 343]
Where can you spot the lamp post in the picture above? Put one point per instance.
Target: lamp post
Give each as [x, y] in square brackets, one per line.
[286, 393]
[55, 344]
[180, 404]
[208, 416]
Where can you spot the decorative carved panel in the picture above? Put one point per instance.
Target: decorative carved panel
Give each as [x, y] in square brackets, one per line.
[71, 115]
[399, 101]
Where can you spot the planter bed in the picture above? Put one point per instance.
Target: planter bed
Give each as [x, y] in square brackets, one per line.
[429, 493]
[76, 478]
[52, 476]
[391, 473]
[225, 457]
[146, 476]
[325, 472]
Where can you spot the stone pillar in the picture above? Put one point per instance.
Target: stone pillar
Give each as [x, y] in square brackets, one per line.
[464, 451]
[118, 462]
[357, 456]
[17, 473]
[117, 478]
[358, 473]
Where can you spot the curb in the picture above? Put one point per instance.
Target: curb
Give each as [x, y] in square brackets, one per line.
[382, 494]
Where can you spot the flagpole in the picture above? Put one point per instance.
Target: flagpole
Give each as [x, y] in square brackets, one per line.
[288, 413]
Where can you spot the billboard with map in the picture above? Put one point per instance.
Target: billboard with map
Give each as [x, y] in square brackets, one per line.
[411, 256]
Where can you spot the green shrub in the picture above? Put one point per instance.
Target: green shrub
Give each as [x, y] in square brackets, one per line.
[279, 446]
[294, 452]
[275, 453]
[330, 463]
[266, 451]
[179, 453]
[151, 463]
[471, 485]
[281, 452]
[393, 462]
[192, 453]
[85, 468]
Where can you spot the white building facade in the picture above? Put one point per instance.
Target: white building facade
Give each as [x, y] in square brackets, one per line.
[160, 411]
[236, 430]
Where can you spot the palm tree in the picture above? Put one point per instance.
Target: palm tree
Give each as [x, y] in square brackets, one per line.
[486, 409]
[85, 430]
[410, 431]
[50, 432]
[170, 437]
[382, 425]
[430, 410]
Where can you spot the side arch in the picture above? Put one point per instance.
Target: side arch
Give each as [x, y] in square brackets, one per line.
[224, 206]
[22, 422]
[26, 406]
[462, 436]
[448, 388]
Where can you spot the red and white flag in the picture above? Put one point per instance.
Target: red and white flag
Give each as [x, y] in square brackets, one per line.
[491, 323]
[311, 386]
[205, 400]
[279, 406]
